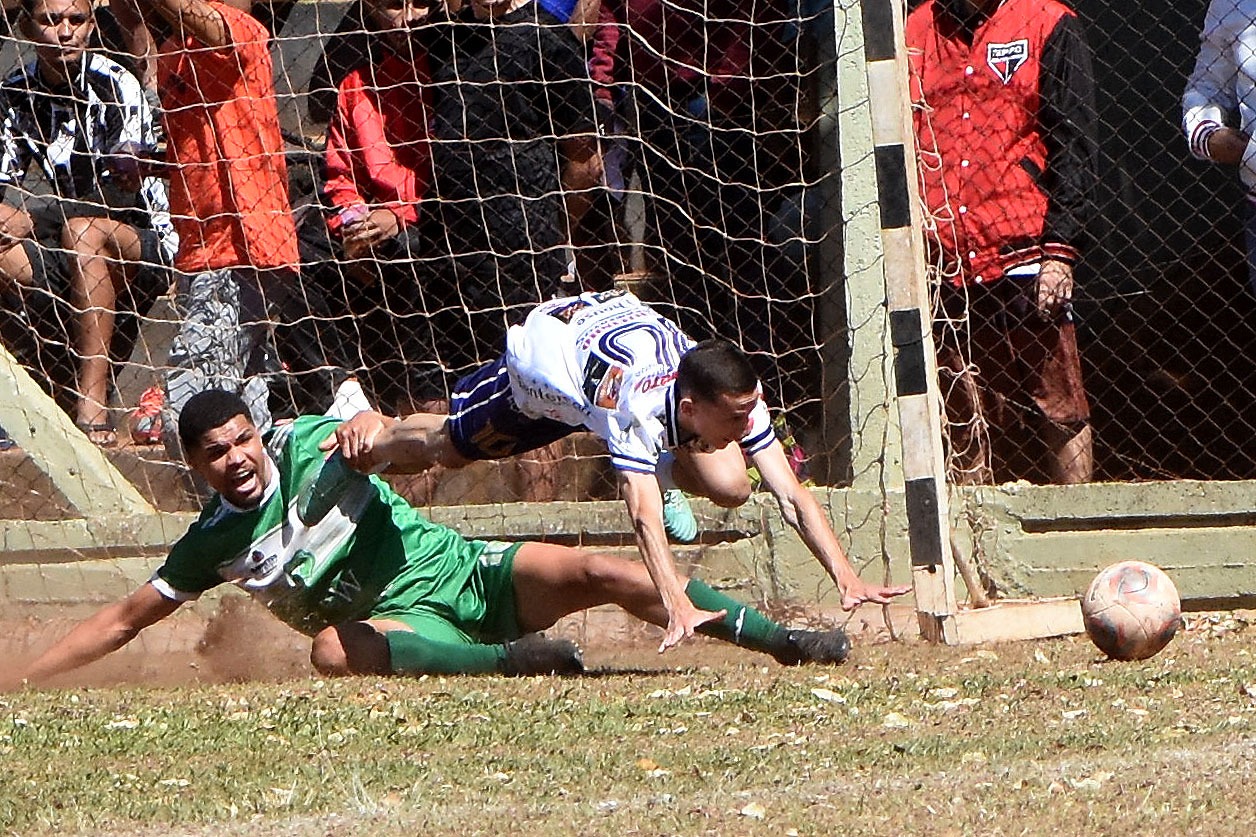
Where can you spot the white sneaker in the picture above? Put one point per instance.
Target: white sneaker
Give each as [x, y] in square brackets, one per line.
[348, 400]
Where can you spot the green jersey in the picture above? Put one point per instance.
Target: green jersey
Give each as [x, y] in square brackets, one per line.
[368, 552]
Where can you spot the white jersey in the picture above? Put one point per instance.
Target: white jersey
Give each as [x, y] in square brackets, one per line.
[1222, 89]
[607, 362]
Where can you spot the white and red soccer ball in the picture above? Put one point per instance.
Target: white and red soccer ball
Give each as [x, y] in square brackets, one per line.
[1131, 610]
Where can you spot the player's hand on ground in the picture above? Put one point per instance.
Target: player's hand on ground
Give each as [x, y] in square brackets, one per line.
[860, 592]
[1055, 288]
[686, 619]
[356, 440]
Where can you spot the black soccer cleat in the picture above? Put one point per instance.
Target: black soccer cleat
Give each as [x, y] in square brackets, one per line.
[824, 647]
[538, 654]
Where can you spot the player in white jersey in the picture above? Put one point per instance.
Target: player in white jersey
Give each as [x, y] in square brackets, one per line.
[673, 413]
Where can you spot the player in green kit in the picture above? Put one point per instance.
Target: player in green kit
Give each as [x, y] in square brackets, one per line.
[344, 559]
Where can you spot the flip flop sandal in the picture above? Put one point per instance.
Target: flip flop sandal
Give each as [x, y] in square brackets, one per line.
[89, 429]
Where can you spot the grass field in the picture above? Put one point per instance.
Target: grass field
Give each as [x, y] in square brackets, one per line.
[1032, 738]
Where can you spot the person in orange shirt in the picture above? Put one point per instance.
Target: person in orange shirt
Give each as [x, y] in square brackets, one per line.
[228, 195]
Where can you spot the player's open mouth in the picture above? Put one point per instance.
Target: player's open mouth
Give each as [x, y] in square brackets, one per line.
[244, 480]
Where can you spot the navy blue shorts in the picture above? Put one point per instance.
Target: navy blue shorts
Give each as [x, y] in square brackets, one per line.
[485, 423]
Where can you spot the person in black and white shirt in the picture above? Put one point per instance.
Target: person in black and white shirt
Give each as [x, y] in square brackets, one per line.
[84, 121]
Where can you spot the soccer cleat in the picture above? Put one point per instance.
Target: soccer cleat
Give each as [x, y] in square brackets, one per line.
[826, 647]
[538, 654]
[678, 519]
[145, 422]
[348, 400]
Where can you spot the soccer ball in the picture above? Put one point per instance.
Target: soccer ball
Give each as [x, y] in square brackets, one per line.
[1131, 610]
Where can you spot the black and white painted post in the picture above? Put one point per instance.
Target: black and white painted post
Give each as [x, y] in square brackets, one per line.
[878, 24]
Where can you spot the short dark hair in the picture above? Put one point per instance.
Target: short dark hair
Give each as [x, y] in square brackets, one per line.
[713, 368]
[207, 410]
[28, 7]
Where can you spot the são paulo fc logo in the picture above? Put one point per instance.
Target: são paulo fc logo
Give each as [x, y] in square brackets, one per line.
[1006, 59]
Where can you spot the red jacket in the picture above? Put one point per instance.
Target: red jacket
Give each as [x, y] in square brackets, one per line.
[1006, 129]
[377, 142]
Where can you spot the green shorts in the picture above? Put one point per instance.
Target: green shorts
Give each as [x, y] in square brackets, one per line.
[483, 613]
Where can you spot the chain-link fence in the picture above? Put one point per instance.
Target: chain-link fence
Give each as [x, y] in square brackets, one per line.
[444, 179]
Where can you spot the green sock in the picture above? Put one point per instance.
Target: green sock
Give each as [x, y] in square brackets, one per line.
[411, 653]
[741, 625]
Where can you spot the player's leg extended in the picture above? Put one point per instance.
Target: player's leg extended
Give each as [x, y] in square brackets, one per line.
[552, 581]
[414, 644]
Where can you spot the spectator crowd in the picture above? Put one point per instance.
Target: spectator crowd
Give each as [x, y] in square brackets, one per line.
[473, 164]
[470, 159]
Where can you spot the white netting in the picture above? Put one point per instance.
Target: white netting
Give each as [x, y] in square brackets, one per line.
[676, 148]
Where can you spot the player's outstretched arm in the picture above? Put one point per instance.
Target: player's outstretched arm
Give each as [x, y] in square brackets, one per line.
[645, 507]
[371, 442]
[104, 632]
[803, 513]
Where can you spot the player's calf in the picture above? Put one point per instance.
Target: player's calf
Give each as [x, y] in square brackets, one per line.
[349, 649]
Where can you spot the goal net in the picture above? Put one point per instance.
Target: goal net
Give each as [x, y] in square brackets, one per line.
[440, 181]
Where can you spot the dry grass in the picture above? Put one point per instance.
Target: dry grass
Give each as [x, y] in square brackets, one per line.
[1034, 738]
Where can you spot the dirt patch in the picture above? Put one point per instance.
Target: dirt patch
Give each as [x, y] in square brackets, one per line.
[237, 641]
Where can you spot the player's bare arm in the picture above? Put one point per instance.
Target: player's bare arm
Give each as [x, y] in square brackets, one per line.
[102, 633]
[371, 442]
[193, 18]
[645, 508]
[803, 513]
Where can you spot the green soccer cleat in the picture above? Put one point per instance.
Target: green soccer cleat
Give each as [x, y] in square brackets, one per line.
[678, 519]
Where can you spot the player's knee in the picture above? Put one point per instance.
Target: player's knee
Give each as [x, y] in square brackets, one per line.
[730, 495]
[327, 654]
[350, 648]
